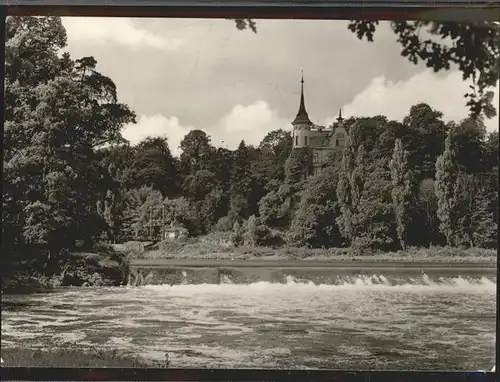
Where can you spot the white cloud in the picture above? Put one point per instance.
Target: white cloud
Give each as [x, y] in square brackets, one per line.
[157, 126]
[394, 99]
[117, 30]
[249, 123]
[252, 122]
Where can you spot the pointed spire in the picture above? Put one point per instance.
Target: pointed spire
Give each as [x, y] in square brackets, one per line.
[302, 117]
[340, 119]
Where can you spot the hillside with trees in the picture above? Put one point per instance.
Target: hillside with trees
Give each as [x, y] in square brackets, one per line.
[72, 183]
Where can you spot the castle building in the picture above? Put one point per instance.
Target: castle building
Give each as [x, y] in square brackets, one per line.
[323, 141]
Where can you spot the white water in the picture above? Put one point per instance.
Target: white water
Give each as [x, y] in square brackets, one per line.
[369, 322]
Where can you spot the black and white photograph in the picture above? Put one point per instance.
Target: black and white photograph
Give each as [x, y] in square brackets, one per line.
[250, 193]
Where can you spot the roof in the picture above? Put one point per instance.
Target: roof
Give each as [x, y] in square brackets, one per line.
[302, 117]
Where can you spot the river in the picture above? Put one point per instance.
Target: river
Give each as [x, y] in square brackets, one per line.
[393, 320]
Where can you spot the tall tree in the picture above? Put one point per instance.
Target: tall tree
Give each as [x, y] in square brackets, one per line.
[241, 184]
[402, 188]
[446, 181]
[470, 145]
[153, 165]
[313, 223]
[58, 112]
[197, 152]
[275, 149]
[424, 133]
[373, 220]
[345, 193]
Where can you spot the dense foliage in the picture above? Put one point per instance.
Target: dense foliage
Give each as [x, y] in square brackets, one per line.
[71, 181]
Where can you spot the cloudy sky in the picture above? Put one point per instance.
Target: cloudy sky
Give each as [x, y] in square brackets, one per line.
[183, 74]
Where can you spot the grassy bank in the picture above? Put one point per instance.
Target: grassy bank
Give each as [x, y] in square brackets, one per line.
[18, 357]
[213, 247]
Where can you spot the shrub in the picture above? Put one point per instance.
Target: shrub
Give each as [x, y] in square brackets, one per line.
[237, 235]
[224, 224]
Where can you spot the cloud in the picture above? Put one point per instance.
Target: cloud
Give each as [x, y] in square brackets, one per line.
[394, 99]
[157, 126]
[121, 31]
[253, 121]
[249, 123]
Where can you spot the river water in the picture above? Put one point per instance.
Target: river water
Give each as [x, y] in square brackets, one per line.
[365, 321]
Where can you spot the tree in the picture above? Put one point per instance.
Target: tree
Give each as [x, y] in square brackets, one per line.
[223, 163]
[275, 206]
[153, 165]
[470, 145]
[250, 235]
[313, 223]
[446, 181]
[424, 224]
[402, 188]
[143, 205]
[206, 199]
[373, 219]
[465, 204]
[344, 192]
[197, 152]
[367, 132]
[492, 152]
[472, 47]
[298, 166]
[475, 224]
[423, 136]
[59, 111]
[350, 189]
[275, 149]
[242, 185]
[237, 234]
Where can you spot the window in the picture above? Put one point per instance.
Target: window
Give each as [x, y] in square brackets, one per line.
[305, 141]
[296, 140]
[315, 157]
[340, 140]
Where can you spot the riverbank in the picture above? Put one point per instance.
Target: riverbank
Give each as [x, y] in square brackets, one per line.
[110, 265]
[206, 249]
[101, 267]
[26, 357]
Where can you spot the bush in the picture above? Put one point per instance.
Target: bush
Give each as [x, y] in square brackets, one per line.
[224, 224]
[237, 235]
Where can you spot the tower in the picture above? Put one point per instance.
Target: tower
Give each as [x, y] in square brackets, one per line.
[340, 133]
[301, 124]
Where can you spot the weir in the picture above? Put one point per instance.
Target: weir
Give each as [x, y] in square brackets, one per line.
[387, 274]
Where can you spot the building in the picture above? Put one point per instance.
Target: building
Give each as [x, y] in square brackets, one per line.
[323, 141]
[174, 232]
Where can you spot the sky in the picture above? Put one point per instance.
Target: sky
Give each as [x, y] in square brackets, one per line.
[184, 74]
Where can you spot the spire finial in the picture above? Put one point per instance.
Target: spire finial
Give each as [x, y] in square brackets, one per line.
[302, 116]
[340, 119]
